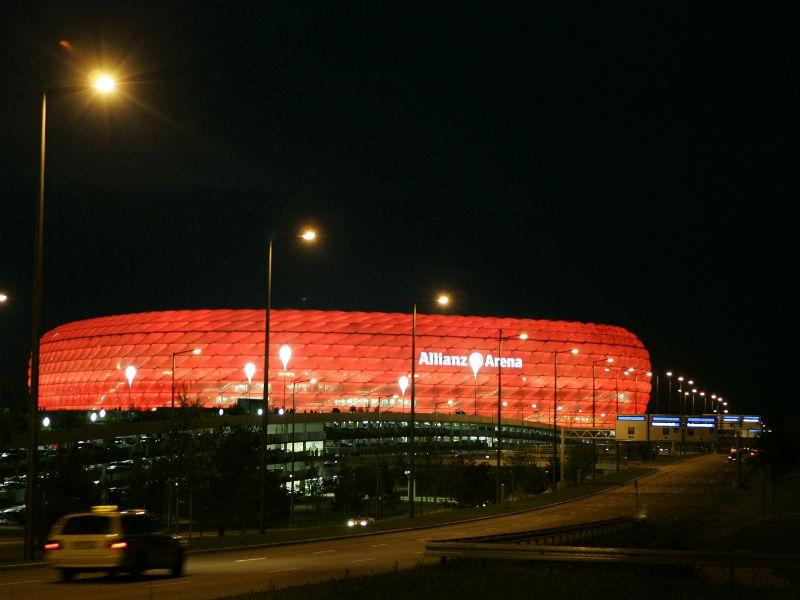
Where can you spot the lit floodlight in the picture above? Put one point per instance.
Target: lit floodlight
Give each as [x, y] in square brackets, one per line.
[523, 336]
[285, 353]
[260, 412]
[249, 371]
[130, 373]
[196, 351]
[221, 412]
[46, 422]
[443, 299]
[403, 383]
[309, 235]
[574, 351]
[3, 297]
[93, 417]
[475, 363]
[102, 413]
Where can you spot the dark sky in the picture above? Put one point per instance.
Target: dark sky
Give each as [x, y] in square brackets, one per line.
[625, 165]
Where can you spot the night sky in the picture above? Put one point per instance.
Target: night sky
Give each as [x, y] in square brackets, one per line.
[634, 166]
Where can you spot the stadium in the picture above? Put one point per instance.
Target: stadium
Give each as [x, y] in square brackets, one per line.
[336, 361]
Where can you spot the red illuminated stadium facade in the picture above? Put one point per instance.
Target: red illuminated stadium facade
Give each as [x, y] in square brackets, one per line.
[356, 359]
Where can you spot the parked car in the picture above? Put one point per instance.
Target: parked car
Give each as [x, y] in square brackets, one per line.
[111, 540]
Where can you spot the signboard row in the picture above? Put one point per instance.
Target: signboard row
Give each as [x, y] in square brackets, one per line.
[684, 428]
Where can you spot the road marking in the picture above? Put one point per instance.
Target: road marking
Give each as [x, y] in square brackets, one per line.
[251, 559]
[323, 551]
[284, 570]
[21, 582]
[423, 539]
[155, 585]
[458, 533]
[361, 560]
[377, 545]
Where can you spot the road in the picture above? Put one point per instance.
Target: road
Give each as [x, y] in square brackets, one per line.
[213, 575]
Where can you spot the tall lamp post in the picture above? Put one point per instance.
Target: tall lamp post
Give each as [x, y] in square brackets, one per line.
[636, 386]
[308, 236]
[105, 85]
[609, 360]
[172, 386]
[443, 300]
[669, 391]
[500, 339]
[555, 409]
[312, 381]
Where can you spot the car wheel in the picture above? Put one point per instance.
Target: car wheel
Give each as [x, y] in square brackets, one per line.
[177, 566]
[67, 574]
[139, 564]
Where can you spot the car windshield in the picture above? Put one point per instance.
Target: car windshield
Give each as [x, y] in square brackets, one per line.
[133, 524]
[87, 525]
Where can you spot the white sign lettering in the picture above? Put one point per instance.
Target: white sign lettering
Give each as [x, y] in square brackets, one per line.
[439, 359]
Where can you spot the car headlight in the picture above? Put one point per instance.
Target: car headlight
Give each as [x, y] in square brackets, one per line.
[363, 522]
[351, 523]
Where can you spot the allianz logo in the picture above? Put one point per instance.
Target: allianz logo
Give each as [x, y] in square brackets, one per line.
[476, 360]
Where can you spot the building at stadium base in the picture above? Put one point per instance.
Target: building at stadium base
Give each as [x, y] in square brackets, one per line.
[321, 361]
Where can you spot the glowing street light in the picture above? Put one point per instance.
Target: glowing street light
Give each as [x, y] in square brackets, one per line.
[36, 318]
[194, 351]
[309, 235]
[520, 336]
[103, 83]
[573, 351]
[442, 300]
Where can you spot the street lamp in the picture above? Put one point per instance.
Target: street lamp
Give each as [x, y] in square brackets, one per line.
[636, 386]
[194, 351]
[443, 300]
[104, 87]
[669, 391]
[312, 381]
[555, 407]
[500, 339]
[609, 360]
[309, 235]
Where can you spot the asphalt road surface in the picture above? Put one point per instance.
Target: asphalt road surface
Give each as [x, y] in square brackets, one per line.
[217, 574]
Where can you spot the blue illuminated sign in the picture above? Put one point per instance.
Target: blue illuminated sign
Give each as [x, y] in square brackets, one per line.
[731, 418]
[662, 421]
[751, 419]
[630, 418]
[704, 422]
